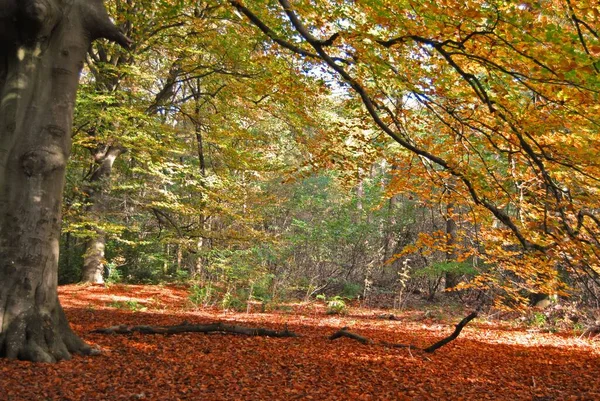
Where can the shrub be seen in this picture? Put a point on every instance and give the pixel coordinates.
(351, 290)
(114, 275)
(336, 306)
(538, 319)
(233, 301)
(201, 296)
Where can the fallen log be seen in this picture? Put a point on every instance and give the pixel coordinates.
(345, 333)
(185, 327)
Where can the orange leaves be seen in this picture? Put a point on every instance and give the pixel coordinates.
(485, 362)
(495, 107)
(595, 50)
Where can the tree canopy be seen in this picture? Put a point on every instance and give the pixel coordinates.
(487, 112)
(495, 103)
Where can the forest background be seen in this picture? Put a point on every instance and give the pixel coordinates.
(410, 148)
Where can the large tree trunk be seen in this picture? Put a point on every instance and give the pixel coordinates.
(42, 47)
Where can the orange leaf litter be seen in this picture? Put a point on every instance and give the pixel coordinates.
(486, 362)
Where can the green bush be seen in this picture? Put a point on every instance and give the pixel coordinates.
(201, 296)
(538, 319)
(351, 290)
(114, 275)
(261, 290)
(234, 301)
(579, 328)
(336, 306)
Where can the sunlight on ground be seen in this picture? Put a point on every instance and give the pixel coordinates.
(487, 361)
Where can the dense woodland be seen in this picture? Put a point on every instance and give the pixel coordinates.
(246, 155)
(211, 151)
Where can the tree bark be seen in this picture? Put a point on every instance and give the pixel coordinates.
(452, 278)
(93, 259)
(185, 327)
(42, 47)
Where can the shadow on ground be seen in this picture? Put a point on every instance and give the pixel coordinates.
(480, 365)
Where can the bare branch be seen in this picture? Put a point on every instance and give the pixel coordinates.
(273, 36)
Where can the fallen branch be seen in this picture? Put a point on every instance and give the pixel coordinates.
(387, 317)
(345, 333)
(185, 327)
(452, 336)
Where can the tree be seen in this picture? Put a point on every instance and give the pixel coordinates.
(186, 156)
(506, 96)
(43, 44)
(112, 79)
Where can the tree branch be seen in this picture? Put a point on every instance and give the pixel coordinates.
(100, 25)
(452, 336)
(273, 36)
(345, 333)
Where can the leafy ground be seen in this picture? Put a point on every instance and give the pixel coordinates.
(487, 362)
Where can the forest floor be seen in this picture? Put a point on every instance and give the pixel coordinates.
(488, 361)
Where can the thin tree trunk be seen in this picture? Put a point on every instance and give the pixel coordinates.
(93, 258)
(389, 237)
(452, 278)
(204, 221)
(42, 48)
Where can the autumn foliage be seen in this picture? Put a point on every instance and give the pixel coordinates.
(273, 136)
(494, 108)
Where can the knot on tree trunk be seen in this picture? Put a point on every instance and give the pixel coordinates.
(38, 17)
(41, 162)
(36, 10)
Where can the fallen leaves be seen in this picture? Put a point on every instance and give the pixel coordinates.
(484, 363)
